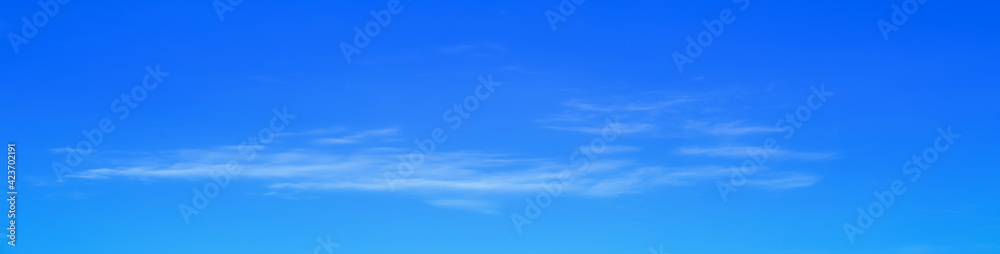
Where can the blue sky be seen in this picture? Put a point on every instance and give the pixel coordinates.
(585, 111)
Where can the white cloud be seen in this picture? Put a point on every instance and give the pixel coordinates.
(470, 174)
(444, 172)
(358, 137)
(731, 128)
(624, 128)
(613, 187)
(633, 106)
(744, 151)
(582, 113)
(689, 175)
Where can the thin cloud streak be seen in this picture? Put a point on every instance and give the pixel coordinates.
(744, 151)
(455, 172)
(730, 128)
(358, 137)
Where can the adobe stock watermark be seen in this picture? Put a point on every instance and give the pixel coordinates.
(363, 37)
(38, 20)
(758, 156)
(713, 29)
(425, 147)
(582, 156)
(899, 17)
(915, 168)
(565, 8)
(223, 6)
(326, 246)
(123, 106)
(248, 149)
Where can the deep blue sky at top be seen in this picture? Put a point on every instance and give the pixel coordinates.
(656, 185)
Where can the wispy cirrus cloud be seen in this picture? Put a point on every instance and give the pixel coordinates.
(744, 151)
(359, 136)
(729, 128)
(467, 173)
(584, 117)
(624, 128)
(783, 181)
(579, 104)
(475, 177)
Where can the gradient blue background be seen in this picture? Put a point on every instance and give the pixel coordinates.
(938, 70)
